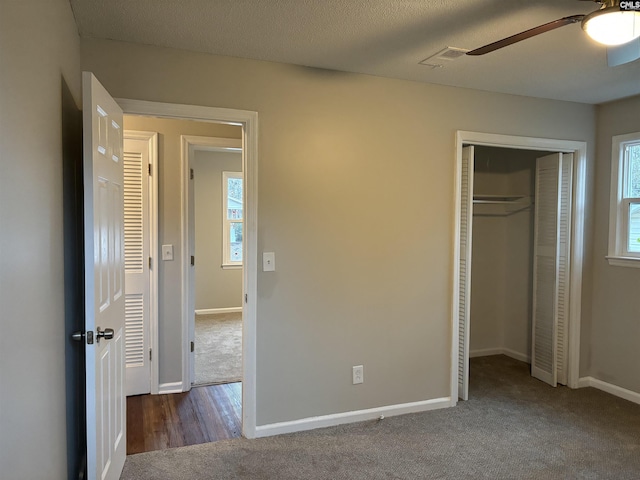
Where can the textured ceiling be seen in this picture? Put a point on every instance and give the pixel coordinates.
(381, 37)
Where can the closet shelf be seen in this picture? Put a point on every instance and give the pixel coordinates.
(500, 205)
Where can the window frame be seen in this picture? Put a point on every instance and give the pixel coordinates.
(620, 204)
(227, 263)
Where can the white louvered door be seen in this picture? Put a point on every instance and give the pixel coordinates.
(464, 270)
(551, 268)
(137, 240)
(564, 243)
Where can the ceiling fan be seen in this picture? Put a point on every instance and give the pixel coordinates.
(615, 24)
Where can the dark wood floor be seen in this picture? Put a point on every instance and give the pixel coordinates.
(205, 414)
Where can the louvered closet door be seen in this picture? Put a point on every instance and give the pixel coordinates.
(464, 271)
(551, 267)
(564, 242)
(137, 279)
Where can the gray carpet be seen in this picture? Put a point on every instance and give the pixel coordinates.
(218, 348)
(513, 427)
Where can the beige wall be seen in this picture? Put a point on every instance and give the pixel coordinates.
(615, 324)
(502, 253)
(489, 242)
(170, 273)
(364, 257)
(39, 66)
(215, 287)
(488, 284)
(519, 256)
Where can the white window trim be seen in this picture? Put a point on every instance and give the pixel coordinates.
(618, 207)
(227, 263)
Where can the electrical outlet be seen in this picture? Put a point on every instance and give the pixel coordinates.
(358, 374)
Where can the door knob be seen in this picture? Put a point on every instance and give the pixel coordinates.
(107, 333)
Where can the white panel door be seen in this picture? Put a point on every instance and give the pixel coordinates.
(545, 269)
(464, 270)
(137, 260)
(104, 281)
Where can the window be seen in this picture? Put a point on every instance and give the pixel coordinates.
(624, 221)
(232, 216)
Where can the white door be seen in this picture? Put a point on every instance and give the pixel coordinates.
(551, 267)
(104, 281)
(464, 277)
(564, 259)
(138, 259)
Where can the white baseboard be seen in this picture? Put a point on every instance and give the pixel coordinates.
(517, 355)
(500, 351)
(173, 387)
(350, 417)
(584, 382)
(485, 352)
(212, 311)
(610, 388)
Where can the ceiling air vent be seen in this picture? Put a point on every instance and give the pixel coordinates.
(443, 56)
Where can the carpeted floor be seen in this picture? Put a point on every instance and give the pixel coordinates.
(513, 427)
(218, 348)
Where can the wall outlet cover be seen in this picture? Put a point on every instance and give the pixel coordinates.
(358, 374)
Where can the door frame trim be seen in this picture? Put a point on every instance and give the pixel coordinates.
(189, 144)
(248, 120)
(579, 149)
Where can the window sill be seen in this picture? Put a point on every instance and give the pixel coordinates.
(236, 266)
(623, 261)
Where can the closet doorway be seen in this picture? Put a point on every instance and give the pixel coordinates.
(518, 257)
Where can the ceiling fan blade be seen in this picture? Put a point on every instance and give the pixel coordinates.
(518, 37)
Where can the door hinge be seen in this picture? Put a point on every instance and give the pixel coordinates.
(191, 173)
(246, 298)
(193, 346)
(150, 263)
(150, 355)
(150, 169)
(193, 260)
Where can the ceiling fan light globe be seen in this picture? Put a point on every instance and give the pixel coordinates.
(610, 26)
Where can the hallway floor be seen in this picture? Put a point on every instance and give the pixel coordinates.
(205, 414)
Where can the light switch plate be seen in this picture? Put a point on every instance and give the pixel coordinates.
(167, 252)
(268, 261)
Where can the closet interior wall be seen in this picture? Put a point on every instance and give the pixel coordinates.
(502, 255)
